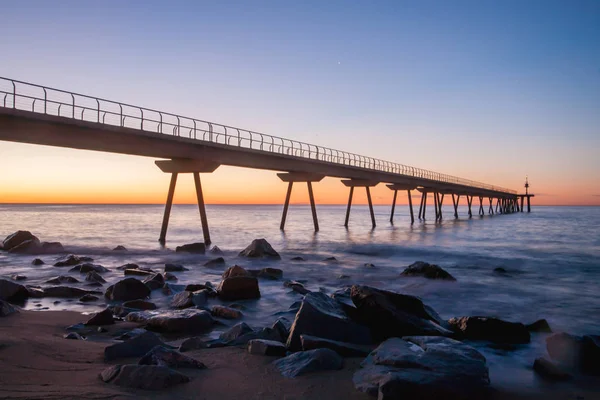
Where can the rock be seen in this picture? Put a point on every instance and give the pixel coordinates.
(167, 276)
(73, 336)
(282, 326)
(17, 238)
(140, 305)
(101, 330)
(88, 267)
(225, 312)
(429, 271)
(120, 248)
(234, 271)
(343, 349)
(389, 314)
(215, 262)
(321, 316)
(37, 261)
(187, 299)
(175, 268)
(137, 346)
(93, 284)
(62, 279)
(129, 334)
(194, 287)
(541, 325)
(148, 377)
(197, 248)
(66, 291)
(238, 288)
(127, 289)
(18, 277)
(138, 272)
(549, 371)
(155, 281)
(193, 343)
(7, 309)
(174, 321)
(369, 265)
(88, 297)
(71, 260)
(93, 276)
(259, 248)
(296, 287)
(128, 266)
(500, 270)
(51, 247)
(216, 250)
(490, 329)
(163, 356)
(575, 352)
(76, 327)
(104, 317)
(423, 367)
(297, 258)
(27, 247)
(342, 276)
(304, 362)
(267, 273)
(235, 332)
(331, 259)
(266, 347)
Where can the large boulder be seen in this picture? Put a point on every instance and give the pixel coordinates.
(52, 247)
(32, 246)
(304, 362)
(238, 287)
(7, 309)
(15, 239)
(197, 248)
(490, 329)
(423, 367)
(148, 377)
(390, 314)
(187, 299)
(547, 370)
(429, 271)
(163, 356)
(225, 312)
(155, 281)
(174, 321)
(343, 349)
(137, 346)
(234, 271)
(104, 317)
(267, 273)
(260, 248)
(94, 277)
(127, 289)
(12, 291)
(575, 352)
(321, 316)
(89, 267)
(266, 347)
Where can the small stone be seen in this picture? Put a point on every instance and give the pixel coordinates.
(260, 248)
(500, 270)
(74, 336)
(297, 258)
(215, 262)
(235, 332)
(267, 273)
(18, 277)
(175, 268)
(148, 377)
(93, 276)
(65, 291)
(491, 329)
(216, 250)
(104, 317)
(225, 312)
(303, 362)
(87, 267)
(128, 266)
(62, 279)
(140, 305)
(101, 330)
(137, 346)
(163, 356)
(155, 281)
(296, 287)
(197, 248)
(37, 261)
(369, 265)
(120, 248)
(426, 270)
(71, 260)
(7, 309)
(193, 343)
(138, 272)
(342, 276)
(87, 298)
(169, 276)
(266, 347)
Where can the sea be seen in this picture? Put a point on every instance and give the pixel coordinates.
(551, 257)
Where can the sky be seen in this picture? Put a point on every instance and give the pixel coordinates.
(486, 90)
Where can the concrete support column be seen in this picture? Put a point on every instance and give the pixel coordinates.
(394, 206)
(352, 183)
(202, 208)
(491, 209)
(481, 212)
(455, 204)
(469, 202)
(292, 177)
(168, 205)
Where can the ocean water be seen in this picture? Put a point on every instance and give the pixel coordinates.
(552, 256)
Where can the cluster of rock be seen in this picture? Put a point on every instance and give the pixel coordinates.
(24, 242)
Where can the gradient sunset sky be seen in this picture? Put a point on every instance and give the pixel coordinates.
(486, 90)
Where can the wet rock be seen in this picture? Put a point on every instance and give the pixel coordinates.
(194, 287)
(70, 260)
(193, 343)
(297, 258)
(235, 332)
(167, 276)
(575, 352)
(137, 346)
(267, 273)
(88, 267)
(216, 250)
(120, 248)
(7, 309)
(225, 312)
(304, 362)
(148, 377)
(62, 279)
(155, 281)
(429, 271)
(163, 356)
(51, 247)
(282, 326)
(101, 330)
(66, 291)
(546, 369)
(215, 262)
(138, 272)
(343, 349)
(130, 334)
(75, 327)
(128, 266)
(260, 248)
(93, 276)
(127, 289)
(187, 299)
(174, 321)
(266, 347)
(27, 247)
(541, 325)
(140, 305)
(18, 277)
(369, 265)
(331, 259)
(93, 284)
(234, 271)
(423, 367)
(500, 270)
(490, 329)
(236, 287)
(175, 268)
(389, 314)
(104, 317)
(88, 298)
(15, 239)
(37, 261)
(296, 287)
(321, 316)
(197, 248)
(73, 336)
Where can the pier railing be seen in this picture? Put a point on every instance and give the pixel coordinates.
(45, 100)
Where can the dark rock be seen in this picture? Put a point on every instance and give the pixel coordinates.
(194, 287)
(282, 326)
(27, 247)
(7, 309)
(331, 259)
(267, 273)
(423, 367)
(266, 347)
(120, 335)
(238, 288)
(73, 336)
(500, 270)
(297, 258)
(88, 267)
(216, 250)
(71, 260)
(87, 298)
(491, 329)
(225, 312)
(197, 248)
(127, 289)
(66, 291)
(549, 371)
(575, 352)
(174, 321)
(104, 317)
(390, 314)
(76, 327)
(187, 299)
(235, 332)
(541, 325)
(62, 279)
(165, 357)
(342, 276)
(193, 343)
(343, 349)
(93, 276)
(429, 271)
(140, 305)
(369, 265)
(128, 266)
(167, 276)
(18, 277)
(234, 271)
(175, 268)
(215, 262)
(137, 346)
(120, 248)
(37, 261)
(155, 281)
(138, 272)
(296, 287)
(51, 247)
(93, 284)
(101, 330)
(304, 362)
(148, 377)
(260, 248)
(321, 316)
(121, 312)
(15, 239)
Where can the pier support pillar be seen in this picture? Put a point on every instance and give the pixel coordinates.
(440, 198)
(168, 205)
(455, 204)
(408, 187)
(352, 183)
(491, 208)
(423, 205)
(481, 211)
(202, 208)
(469, 202)
(292, 177)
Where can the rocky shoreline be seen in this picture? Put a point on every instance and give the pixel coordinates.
(389, 345)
